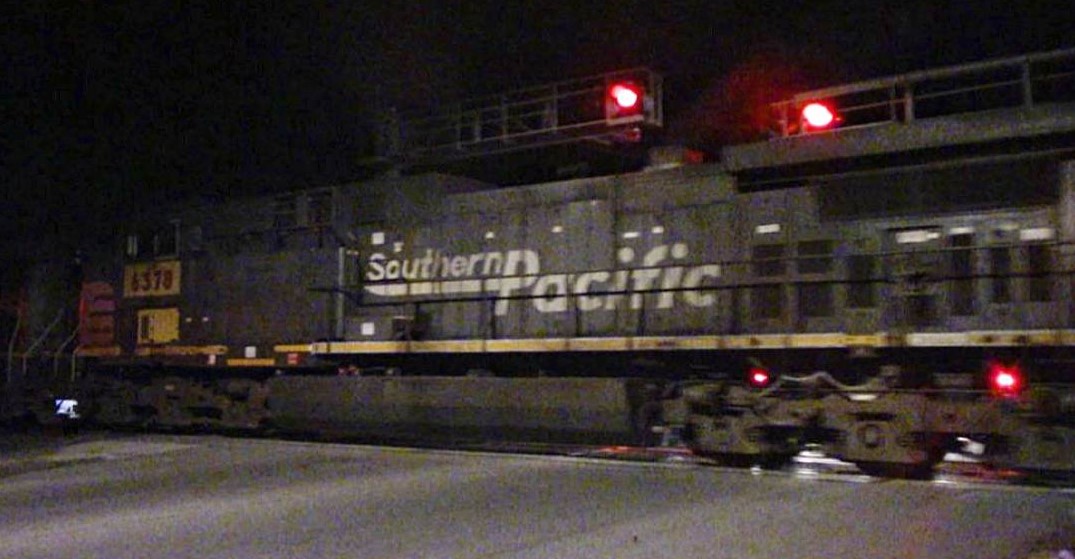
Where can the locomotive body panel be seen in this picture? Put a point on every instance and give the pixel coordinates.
(555, 260)
(670, 259)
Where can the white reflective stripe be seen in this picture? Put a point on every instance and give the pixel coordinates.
(939, 339)
(422, 288)
(916, 236)
(462, 286)
(1037, 234)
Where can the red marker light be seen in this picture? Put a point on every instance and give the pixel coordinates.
(1005, 380)
(759, 377)
(626, 96)
(818, 115)
(625, 103)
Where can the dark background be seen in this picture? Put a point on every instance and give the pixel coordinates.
(110, 106)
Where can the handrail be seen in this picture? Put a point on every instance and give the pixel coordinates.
(33, 347)
(74, 361)
(59, 351)
(530, 117)
(896, 98)
(11, 346)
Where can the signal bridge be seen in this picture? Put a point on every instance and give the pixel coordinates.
(1006, 109)
(1010, 83)
(611, 107)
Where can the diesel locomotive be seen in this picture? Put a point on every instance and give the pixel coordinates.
(885, 283)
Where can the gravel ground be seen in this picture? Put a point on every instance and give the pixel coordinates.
(178, 497)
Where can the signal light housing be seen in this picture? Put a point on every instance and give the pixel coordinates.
(1005, 380)
(625, 102)
(818, 116)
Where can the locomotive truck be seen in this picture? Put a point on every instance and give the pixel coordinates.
(888, 283)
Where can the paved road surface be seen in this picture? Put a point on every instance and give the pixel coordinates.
(172, 497)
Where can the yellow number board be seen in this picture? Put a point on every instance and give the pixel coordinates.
(151, 279)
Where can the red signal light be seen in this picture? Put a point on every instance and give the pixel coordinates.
(758, 377)
(625, 95)
(818, 115)
(624, 102)
(1005, 380)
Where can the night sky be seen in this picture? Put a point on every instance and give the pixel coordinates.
(111, 105)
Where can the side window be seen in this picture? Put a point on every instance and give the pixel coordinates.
(153, 242)
(961, 270)
(133, 243)
(768, 261)
(1039, 265)
(1000, 267)
(815, 257)
(767, 301)
(860, 292)
(815, 297)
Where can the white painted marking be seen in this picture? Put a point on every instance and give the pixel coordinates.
(1037, 234)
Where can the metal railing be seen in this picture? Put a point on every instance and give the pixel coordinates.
(1023, 81)
(30, 351)
(61, 350)
(11, 348)
(546, 114)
